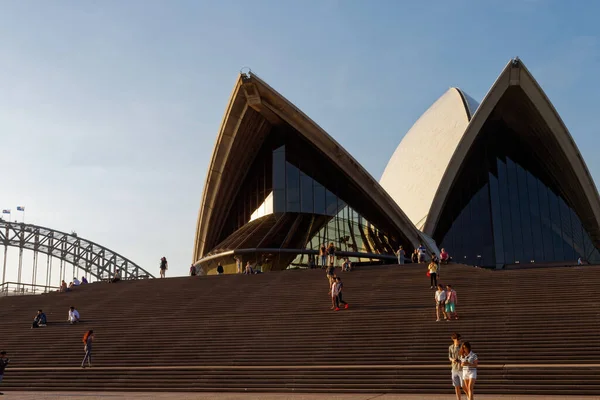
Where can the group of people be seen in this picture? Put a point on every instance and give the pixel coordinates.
(463, 365)
(327, 255)
(40, 320)
(336, 287)
(445, 303)
(76, 282)
(419, 255)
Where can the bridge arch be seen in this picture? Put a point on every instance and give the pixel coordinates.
(95, 260)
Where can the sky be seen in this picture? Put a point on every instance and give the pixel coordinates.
(109, 110)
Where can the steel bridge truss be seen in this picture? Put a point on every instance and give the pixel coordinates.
(96, 260)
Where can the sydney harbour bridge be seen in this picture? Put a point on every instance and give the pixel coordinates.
(50, 254)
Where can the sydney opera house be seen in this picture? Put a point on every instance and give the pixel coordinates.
(497, 183)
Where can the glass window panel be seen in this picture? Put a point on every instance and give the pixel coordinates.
(496, 220)
(555, 222)
(484, 224)
(279, 168)
(331, 203)
(509, 255)
(306, 193)
(279, 200)
(515, 214)
(567, 230)
(319, 199)
(578, 244)
(589, 246)
(292, 188)
(528, 251)
(534, 215)
(546, 222)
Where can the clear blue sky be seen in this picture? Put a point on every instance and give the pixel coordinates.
(109, 109)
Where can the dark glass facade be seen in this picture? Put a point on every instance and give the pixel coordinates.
(291, 202)
(508, 208)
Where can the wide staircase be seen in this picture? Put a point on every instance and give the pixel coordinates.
(535, 331)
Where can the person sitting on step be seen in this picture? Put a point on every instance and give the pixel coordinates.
(116, 277)
(73, 315)
(39, 319)
(76, 281)
(84, 281)
(347, 265)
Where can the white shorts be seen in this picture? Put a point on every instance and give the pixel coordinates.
(457, 378)
(469, 375)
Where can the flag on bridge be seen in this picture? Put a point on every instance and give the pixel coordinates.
(20, 208)
(5, 211)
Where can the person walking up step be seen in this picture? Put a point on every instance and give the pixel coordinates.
(454, 357)
(340, 289)
(333, 291)
(3, 364)
(88, 340)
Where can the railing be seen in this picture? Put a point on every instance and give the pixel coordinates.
(21, 289)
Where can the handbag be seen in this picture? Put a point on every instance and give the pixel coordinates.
(428, 273)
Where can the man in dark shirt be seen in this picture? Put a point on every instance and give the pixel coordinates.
(39, 320)
(3, 363)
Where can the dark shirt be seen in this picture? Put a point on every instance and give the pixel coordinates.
(3, 363)
(330, 271)
(88, 343)
(331, 250)
(163, 264)
(220, 269)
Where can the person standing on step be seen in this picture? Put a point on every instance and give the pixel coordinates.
(220, 269)
(401, 253)
(468, 362)
(454, 357)
(433, 269)
(323, 255)
(163, 266)
(444, 256)
(451, 300)
(440, 301)
(3, 364)
(192, 270)
(415, 256)
(340, 289)
(238, 264)
(331, 254)
(88, 340)
(422, 251)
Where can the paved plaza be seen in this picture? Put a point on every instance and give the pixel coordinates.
(266, 396)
